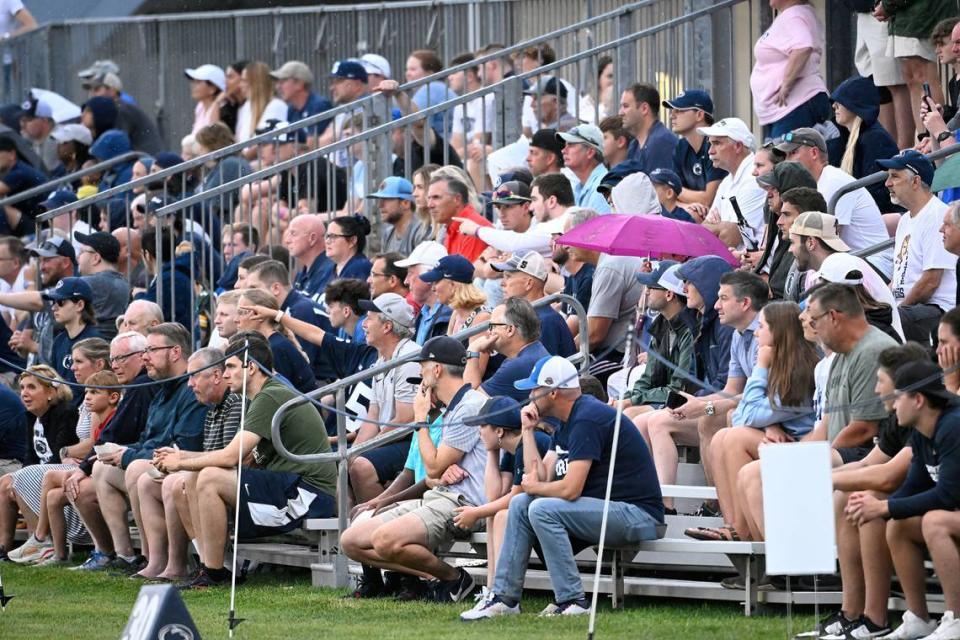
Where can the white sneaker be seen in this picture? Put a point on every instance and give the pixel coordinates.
(30, 551)
(549, 611)
(913, 628)
(575, 608)
(490, 608)
(949, 628)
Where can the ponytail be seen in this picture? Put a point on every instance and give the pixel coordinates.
(846, 164)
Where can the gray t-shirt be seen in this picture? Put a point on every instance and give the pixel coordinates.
(392, 387)
(111, 295)
(404, 244)
(466, 403)
(615, 294)
(852, 381)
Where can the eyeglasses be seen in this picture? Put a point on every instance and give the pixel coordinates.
(152, 350)
(123, 358)
(492, 324)
(815, 319)
(374, 274)
(331, 236)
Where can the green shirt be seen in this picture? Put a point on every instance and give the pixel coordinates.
(302, 430)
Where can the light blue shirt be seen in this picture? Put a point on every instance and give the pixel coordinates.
(426, 325)
(743, 351)
(414, 461)
(756, 410)
(359, 336)
(586, 194)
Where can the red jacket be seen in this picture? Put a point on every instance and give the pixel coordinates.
(467, 246)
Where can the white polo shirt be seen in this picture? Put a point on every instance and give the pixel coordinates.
(750, 197)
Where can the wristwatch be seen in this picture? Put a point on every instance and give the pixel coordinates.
(473, 354)
(710, 410)
(946, 135)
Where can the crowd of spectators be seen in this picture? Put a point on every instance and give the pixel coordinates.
(125, 370)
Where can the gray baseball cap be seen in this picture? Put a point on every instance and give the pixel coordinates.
(393, 306)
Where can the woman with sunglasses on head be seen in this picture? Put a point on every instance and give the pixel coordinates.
(51, 427)
(346, 238)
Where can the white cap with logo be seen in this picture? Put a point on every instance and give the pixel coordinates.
(426, 253)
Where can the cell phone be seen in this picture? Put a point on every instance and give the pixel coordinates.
(926, 90)
(675, 400)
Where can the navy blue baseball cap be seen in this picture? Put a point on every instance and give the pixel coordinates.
(667, 177)
(59, 198)
(652, 278)
(349, 69)
(167, 159)
(914, 161)
(498, 411)
(394, 187)
(455, 267)
(70, 289)
(691, 99)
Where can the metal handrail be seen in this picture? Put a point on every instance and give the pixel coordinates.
(880, 176)
(366, 101)
(51, 185)
(423, 114)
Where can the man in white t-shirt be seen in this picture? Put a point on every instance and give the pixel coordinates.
(474, 120)
(14, 20)
(924, 272)
(731, 149)
(861, 224)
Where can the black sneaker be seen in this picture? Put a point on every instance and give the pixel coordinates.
(707, 511)
(3, 555)
(368, 588)
(861, 629)
(120, 567)
(411, 588)
(392, 583)
(454, 590)
(834, 624)
(669, 511)
(204, 580)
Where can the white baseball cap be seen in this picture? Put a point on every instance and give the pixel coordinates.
(733, 128)
(72, 133)
(671, 281)
(842, 268)
(426, 253)
(375, 63)
(531, 263)
(209, 72)
(554, 372)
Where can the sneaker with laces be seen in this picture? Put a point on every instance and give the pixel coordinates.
(204, 580)
(45, 555)
(412, 588)
(549, 611)
(30, 551)
(51, 560)
(493, 607)
(834, 625)
(368, 587)
(862, 628)
(98, 561)
(576, 607)
(124, 567)
(454, 590)
(948, 629)
(912, 628)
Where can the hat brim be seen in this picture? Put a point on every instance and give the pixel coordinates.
(503, 267)
(565, 138)
(414, 380)
(891, 164)
(368, 305)
(383, 195)
(648, 279)
(836, 244)
(790, 147)
(432, 276)
(46, 253)
(510, 201)
(526, 385)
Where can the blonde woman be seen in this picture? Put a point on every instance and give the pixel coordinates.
(421, 182)
(54, 428)
(261, 105)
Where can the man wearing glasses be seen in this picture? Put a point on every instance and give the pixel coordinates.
(174, 418)
(834, 312)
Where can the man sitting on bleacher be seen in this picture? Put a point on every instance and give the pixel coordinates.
(564, 492)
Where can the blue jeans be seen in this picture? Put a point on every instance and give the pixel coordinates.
(552, 521)
(813, 111)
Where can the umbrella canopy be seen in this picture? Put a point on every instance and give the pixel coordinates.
(63, 109)
(646, 235)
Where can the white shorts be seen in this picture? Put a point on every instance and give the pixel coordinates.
(901, 47)
(871, 56)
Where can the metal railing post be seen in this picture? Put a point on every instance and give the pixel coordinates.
(626, 55)
(343, 497)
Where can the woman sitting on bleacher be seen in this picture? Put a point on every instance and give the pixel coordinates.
(781, 381)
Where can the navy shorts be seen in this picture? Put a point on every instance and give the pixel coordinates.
(388, 460)
(273, 502)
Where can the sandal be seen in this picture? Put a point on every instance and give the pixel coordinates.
(725, 533)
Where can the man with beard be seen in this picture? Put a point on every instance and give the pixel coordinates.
(402, 230)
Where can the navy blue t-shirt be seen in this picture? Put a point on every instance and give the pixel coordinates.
(676, 214)
(312, 282)
(357, 267)
(288, 362)
(933, 479)
(22, 177)
(513, 462)
(513, 369)
(657, 151)
(588, 435)
(555, 335)
(580, 285)
(13, 424)
(315, 104)
(341, 359)
(695, 168)
(62, 356)
(305, 309)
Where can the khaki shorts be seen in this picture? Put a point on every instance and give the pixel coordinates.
(901, 47)
(871, 55)
(436, 511)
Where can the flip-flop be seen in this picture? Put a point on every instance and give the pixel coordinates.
(713, 534)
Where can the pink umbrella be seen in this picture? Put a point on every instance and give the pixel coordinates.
(646, 235)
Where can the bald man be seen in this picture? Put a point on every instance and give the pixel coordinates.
(140, 316)
(304, 240)
(130, 262)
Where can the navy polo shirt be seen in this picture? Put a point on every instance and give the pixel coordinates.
(288, 362)
(695, 167)
(657, 152)
(580, 285)
(555, 335)
(315, 104)
(513, 462)
(588, 435)
(13, 424)
(357, 267)
(311, 282)
(513, 369)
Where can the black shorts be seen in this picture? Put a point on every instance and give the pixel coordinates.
(273, 502)
(853, 454)
(388, 460)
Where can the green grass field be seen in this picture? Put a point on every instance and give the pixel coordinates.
(56, 603)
